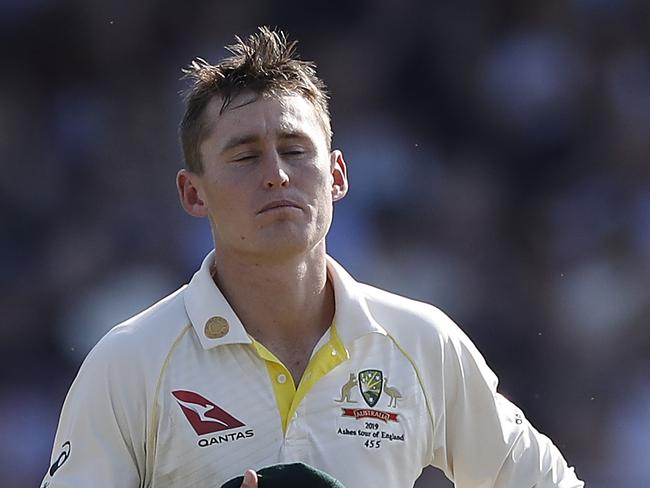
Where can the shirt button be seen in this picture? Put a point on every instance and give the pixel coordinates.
(333, 352)
(282, 379)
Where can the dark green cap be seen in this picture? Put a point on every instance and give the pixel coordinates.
(294, 475)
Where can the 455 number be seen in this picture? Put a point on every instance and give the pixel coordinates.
(372, 444)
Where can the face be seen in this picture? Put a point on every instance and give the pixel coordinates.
(269, 180)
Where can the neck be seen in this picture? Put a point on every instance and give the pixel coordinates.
(286, 301)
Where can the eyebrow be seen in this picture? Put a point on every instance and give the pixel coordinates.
(252, 138)
(239, 141)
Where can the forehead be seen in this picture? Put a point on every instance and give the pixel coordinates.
(261, 115)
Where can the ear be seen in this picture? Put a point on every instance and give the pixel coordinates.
(339, 175)
(189, 193)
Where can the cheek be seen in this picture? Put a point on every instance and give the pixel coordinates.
(321, 178)
(324, 201)
(226, 203)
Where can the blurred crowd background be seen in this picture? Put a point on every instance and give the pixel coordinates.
(499, 160)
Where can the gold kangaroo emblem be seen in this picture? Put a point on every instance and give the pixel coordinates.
(393, 393)
(346, 390)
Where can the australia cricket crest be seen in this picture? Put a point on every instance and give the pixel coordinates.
(370, 384)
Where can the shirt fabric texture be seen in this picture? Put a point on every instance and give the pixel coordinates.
(181, 396)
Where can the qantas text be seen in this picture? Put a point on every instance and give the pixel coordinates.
(230, 436)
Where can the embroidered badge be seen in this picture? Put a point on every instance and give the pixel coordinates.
(373, 427)
(370, 385)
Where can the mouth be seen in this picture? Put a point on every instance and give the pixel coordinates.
(278, 205)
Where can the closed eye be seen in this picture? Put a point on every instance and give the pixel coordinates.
(244, 157)
(293, 152)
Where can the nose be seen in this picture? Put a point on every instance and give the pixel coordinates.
(275, 174)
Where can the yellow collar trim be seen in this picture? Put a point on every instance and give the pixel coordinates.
(287, 397)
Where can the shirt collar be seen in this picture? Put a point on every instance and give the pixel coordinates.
(204, 302)
(205, 305)
(352, 316)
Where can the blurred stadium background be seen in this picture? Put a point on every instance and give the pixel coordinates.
(499, 158)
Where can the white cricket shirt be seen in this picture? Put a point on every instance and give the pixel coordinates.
(181, 396)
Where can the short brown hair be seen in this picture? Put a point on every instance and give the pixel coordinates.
(266, 62)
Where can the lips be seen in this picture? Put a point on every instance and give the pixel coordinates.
(276, 204)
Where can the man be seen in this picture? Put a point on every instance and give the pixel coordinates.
(273, 353)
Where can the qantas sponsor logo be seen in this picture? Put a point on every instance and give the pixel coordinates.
(204, 416)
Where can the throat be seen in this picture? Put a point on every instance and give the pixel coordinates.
(294, 355)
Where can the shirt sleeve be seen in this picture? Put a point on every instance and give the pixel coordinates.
(481, 439)
(100, 437)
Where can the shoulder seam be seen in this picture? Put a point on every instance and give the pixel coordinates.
(152, 435)
(419, 377)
